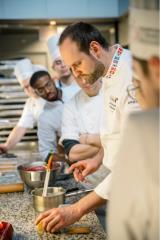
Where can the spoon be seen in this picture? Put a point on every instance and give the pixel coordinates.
(48, 171)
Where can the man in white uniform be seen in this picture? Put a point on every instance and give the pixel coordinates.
(134, 203)
(81, 126)
(64, 75)
(90, 58)
(49, 122)
(33, 106)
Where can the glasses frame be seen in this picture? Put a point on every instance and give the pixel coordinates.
(44, 88)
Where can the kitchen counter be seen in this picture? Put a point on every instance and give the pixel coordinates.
(17, 209)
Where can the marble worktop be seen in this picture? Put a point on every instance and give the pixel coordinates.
(17, 208)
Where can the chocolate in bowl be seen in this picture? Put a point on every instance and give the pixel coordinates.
(42, 168)
(33, 174)
(36, 168)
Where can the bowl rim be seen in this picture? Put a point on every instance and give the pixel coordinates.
(37, 163)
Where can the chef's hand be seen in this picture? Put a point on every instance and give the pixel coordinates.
(3, 148)
(83, 168)
(57, 218)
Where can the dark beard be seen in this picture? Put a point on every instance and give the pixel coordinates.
(98, 73)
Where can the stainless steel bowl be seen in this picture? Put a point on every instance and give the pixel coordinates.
(35, 179)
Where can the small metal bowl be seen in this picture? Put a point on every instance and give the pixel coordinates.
(35, 179)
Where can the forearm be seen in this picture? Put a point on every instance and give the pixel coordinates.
(94, 140)
(82, 151)
(15, 136)
(89, 203)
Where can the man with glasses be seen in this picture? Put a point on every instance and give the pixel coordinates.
(33, 106)
(49, 122)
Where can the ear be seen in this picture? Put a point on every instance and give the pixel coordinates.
(154, 66)
(95, 49)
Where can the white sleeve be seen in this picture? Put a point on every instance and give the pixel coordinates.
(69, 127)
(103, 189)
(27, 119)
(47, 137)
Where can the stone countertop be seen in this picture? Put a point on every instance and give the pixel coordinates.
(17, 209)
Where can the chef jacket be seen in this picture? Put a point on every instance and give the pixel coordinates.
(116, 105)
(49, 127)
(134, 206)
(70, 90)
(32, 109)
(82, 114)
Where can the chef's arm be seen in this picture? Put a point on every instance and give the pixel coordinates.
(91, 139)
(15, 136)
(77, 151)
(89, 203)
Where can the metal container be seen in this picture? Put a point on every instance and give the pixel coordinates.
(55, 197)
(35, 179)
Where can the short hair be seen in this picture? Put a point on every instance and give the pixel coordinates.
(36, 76)
(83, 34)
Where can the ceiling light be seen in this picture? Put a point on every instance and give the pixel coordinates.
(52, 23)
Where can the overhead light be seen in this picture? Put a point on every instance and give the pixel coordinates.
(60, 29)
(52, 23)
(112, 30)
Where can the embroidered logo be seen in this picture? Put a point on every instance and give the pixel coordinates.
(115, 61)
(112, 102)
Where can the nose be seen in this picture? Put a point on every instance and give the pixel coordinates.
(47, 90)
(63, 64)
(76, 72)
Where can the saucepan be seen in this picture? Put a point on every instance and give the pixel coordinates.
(55, 197)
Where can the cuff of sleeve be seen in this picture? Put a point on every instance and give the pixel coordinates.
(103, 189)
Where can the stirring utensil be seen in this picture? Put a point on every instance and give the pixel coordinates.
(48, 171)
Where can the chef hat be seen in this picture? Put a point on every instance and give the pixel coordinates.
(53, 47)
(144, 29)
(24, 70)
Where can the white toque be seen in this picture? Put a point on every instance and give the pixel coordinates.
(144, 29)
(24, 70)
(53, 48)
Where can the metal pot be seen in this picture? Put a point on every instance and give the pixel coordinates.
(35, 179)
(55, 197)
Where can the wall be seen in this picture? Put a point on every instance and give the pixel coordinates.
(45, 9)
(123, 30)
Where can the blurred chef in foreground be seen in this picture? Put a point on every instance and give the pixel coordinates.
(134, 204)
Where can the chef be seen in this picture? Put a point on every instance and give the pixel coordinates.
(90, 57)
(49, 122)
(65, 77)
(33, 106)
(134, 205)
(81, 128)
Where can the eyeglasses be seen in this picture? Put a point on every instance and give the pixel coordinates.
(131, 90)
(42, 90)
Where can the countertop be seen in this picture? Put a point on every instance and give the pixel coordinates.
(17, 209)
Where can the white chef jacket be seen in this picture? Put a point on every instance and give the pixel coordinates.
(69, 90)
(49, 127)
(32, 109)
(82, 114)
(116, 104)
(134, 206)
